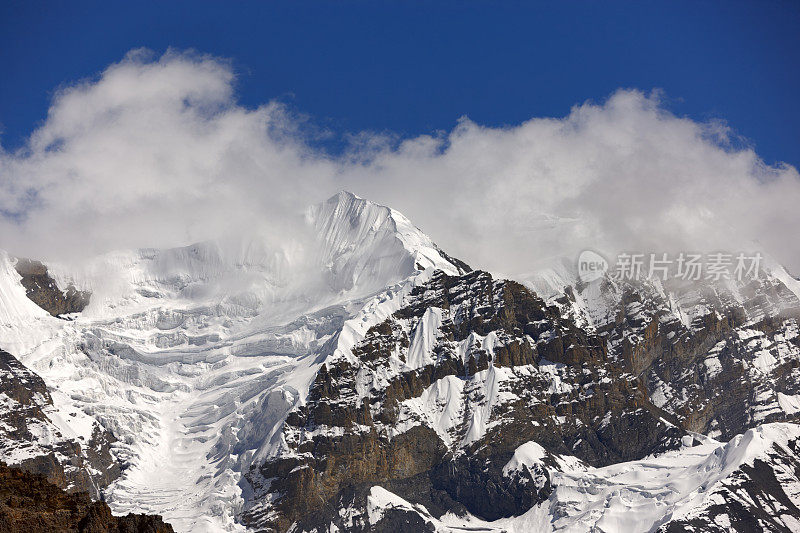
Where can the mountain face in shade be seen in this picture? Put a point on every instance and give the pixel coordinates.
(362, 379)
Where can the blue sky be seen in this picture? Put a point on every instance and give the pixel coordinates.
(416, 67)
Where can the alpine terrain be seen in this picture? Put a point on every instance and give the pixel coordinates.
(375, 383)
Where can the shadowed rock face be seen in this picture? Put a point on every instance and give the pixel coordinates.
(44, 292)
(33, 443)
(31, 504)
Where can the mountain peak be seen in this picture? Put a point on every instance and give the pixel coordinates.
(365, 242)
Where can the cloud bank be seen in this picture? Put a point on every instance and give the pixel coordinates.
(156, 152)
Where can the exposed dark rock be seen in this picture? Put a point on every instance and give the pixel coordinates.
(31, 504)
(602, 416)
(477, 482)
(585, 392)
(674, 359)
(44, 292)
(69, 464)
(462, 267)
(348, 512)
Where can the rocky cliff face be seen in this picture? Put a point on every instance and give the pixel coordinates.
(34, 437)
(44, 292)
(721, 357)
(439, 396)
(435, 401)
(29, 503)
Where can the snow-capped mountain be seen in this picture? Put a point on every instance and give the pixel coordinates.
(178, 351)
(362, 379)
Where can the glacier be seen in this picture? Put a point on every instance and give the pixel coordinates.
(192, 356)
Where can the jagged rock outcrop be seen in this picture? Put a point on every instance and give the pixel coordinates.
(721, 357)
(44, 292)
(29, 503)
(437, 397)
(31, 438)
(433, 402)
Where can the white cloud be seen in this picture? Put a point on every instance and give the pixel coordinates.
(158, 153)
(154, 153)
(622, 175)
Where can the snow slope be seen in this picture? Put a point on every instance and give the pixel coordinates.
(192, 356)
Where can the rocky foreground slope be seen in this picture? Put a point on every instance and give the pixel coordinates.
(31, 504)
(374, 383)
